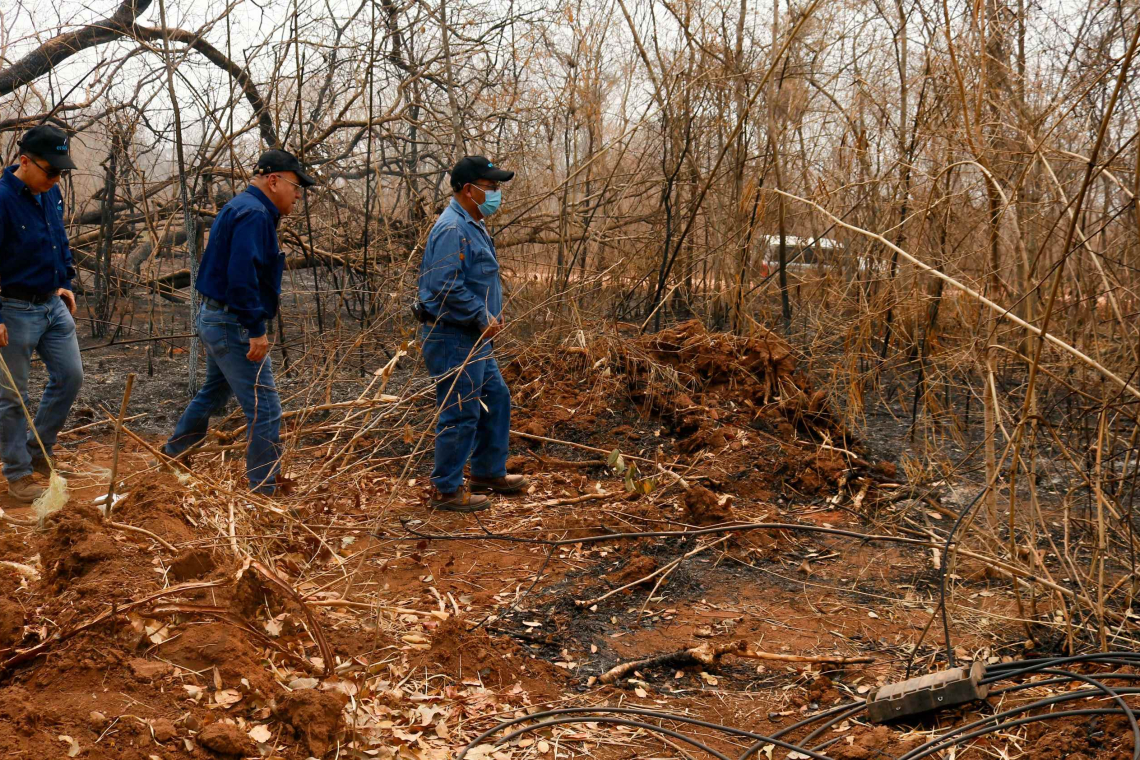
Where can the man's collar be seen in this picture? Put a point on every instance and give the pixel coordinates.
(256, 193)
(11, 179)
(462, 211)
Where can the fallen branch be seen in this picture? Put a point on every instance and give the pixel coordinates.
(100, 423)
(707, 654)
(654, 574)
(576, 499)
(144, 532)
(315, 627)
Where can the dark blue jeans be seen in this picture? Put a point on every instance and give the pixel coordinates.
(49, 330)
(466, 429)
(228, 371)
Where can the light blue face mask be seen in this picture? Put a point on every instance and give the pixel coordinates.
(491, 201)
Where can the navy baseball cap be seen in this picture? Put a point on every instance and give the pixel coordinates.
(282, 161)
(470, 168)
(51, 144)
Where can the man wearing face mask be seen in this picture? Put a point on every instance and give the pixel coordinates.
(460, 306)
(239, 279)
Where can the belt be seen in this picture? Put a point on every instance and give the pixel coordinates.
(214, 303)
(20, 294)
(432, 322)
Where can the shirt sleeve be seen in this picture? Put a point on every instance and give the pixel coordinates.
(446, 284)
(248, 246)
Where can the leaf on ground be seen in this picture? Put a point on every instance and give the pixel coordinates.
(260, 734)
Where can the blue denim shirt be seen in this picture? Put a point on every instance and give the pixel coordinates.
(459, 275)
(34, 254)
(242, 264)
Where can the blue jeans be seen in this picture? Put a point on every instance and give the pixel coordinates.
(465, 429)
(49, 330)
(228, 371)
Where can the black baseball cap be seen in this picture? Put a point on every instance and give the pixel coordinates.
(51, 144)
(470, 168)
(282, 161)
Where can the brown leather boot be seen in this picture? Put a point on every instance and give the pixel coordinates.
(507, 484)
(24, 490)
(460, 501)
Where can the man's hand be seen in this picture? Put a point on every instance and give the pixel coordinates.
(494, 329)
(258, 348)
(3, 335)
(68, 298)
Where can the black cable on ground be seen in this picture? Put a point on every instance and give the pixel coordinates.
(1098, 687)
(1014, 724)
(836, 714)
(589, 714)
(619, 722)
(962, 735)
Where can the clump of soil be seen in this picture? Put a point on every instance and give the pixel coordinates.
(11, 624)
(867, 743)
(820, 472)
(75, 543)
(16, 713)
(153, 504)
(497, 661)
(192, 563)
(723, 363)
(226, 739)
(314, 715)
(202, 647)
(823, 691)
(703, 507)
(638, 566)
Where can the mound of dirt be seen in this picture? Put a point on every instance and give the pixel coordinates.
(192, 563)
(314, 715)
(724, 364)
(703, 507)
(11, 623)
(495, 660)
(203, 647)
(867, 743)
(153, 504)
(75, 543)
(820, 472)
(226, 739)
(638, 566)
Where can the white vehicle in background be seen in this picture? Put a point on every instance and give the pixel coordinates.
(806, 254)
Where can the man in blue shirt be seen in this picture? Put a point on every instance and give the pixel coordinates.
(239, 278)
(36, 305)
(460, 304)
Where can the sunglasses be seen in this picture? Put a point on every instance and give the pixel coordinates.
(51, 172)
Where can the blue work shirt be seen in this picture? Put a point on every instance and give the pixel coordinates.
(34, 254)
(242, 264)
(459, 275)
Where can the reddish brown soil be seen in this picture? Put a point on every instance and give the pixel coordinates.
(315, 717)
(494, 660)
(735, 416)
(226, 739)
(703, 507)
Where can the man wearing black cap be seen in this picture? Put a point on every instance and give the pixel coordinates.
(36, 305)
(239, 278)
(460, 305)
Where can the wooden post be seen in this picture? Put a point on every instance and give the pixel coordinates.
(118, 440)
